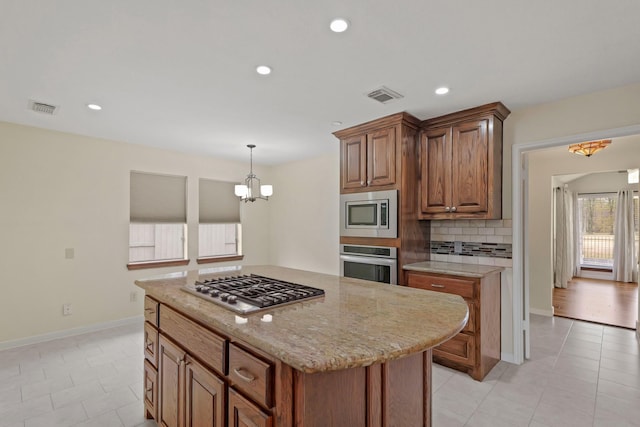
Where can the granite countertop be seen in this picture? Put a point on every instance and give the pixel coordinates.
(357, 323)
(453, 268)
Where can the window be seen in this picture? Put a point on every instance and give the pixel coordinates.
(597, 214)
(157, 221)
(219, 230)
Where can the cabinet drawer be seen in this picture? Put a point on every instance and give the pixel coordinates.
(150, 390)
(151, 344)
(251, 374)
(462, 287)
(151, 311)
(200, 342)
(459, 349)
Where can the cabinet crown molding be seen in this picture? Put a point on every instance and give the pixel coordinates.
(497, 109)
(391, 120)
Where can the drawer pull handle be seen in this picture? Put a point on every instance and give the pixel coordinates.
(434, 285)
(149, 345)
(246, 376)
(150, 310)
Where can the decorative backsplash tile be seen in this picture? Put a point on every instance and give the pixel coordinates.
(492, 250)
(486, 242)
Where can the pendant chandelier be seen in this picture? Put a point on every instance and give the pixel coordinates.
(252, 190)
(589, 148)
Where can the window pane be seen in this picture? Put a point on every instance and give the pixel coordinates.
(218, 240)
(597, 214)
(156, 242)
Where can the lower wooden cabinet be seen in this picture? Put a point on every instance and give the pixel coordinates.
(476, 349)
(243, 413)
(150, 384)
(204, 399)
(171, 384)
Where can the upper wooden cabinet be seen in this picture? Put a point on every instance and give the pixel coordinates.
(371, 153)
(461, 159)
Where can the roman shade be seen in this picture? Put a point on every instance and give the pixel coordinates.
(218, 203)
(158, 198)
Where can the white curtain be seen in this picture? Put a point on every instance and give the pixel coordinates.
(564, 258)
(577, 236)
(624, 248)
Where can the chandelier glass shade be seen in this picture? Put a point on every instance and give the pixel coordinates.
(589, 148)
(252, 189)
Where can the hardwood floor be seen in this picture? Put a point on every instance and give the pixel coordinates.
(599, 301)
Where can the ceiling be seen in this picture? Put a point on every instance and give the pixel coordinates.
(181, 74)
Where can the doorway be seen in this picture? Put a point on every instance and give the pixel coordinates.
(531, 248)
(584, 243)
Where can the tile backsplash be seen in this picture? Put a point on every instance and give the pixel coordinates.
(485, 242)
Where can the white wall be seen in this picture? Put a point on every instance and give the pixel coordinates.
(603, 182)
(304, 220)
(58, 191)
(623, 153)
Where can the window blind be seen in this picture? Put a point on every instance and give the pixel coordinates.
(158, 198)
(218, 203)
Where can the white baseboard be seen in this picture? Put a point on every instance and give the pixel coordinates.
(548, 313)
(70, 332)
(507, 357)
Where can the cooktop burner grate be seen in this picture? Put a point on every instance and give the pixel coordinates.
(252, 292)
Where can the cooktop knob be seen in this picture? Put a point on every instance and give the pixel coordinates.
(224, 296)
(232, 299)
(214, 293)
(200, 288)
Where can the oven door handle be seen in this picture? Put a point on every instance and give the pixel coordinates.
(368, 260)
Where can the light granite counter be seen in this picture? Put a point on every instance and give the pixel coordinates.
(452, 268)
(357, 323)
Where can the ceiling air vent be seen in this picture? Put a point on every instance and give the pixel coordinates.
(384, 95)
(41, 107)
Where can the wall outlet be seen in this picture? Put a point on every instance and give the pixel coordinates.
(457, 247)
(133, 296)
(69, 253)
(66, 309)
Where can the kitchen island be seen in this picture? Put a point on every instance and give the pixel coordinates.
(358, 356)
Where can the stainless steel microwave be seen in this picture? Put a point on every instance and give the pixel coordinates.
(370, 214)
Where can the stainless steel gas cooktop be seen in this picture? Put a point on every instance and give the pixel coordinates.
(251, 293)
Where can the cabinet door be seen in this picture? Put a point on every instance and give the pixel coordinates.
(171, 384)
(354, 162)
(470, 163)
(436, 171)
(151, 344)
(381, 157)
(204, 397)
(243, 413)
(150, 383)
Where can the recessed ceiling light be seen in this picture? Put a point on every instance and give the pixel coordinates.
(339, 25)
(442, 90)
(263, 70)
(336, 123)
(95, 107)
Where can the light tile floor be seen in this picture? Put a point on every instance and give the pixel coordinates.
(580, 374)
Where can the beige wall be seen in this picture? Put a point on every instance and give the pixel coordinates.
(304, 220)
(600, 111)
(611, 109)
(60, 191)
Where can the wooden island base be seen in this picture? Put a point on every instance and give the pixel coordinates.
(195, 376)
(396, 393)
